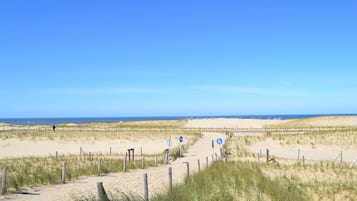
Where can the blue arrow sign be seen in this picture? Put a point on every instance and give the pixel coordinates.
(181, 138)
(219, 140)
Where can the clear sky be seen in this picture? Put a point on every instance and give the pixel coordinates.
(185, 57)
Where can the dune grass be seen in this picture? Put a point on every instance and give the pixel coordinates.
(318, 122)
(34, 171)
(116, 130)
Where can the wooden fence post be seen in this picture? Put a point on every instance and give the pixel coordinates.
(188, 168)
(341, 157)
(170, 179)
(124, 162)
(142, 162)
(110, 150)
(64, 168)
(99, 166)
(199, 165)
(3, 181)
(146, 188)
(206, 161)
(303, 161)
(155, 159)
(102, 195)
(267, 155)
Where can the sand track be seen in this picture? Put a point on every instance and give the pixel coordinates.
(131, 181)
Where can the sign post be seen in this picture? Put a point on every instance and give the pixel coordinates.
(220, 141)
(181, 140)
(212, 150)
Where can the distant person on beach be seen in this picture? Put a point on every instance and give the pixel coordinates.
(54, 128)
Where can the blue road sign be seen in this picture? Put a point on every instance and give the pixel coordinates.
(181, 138)
(219, 140)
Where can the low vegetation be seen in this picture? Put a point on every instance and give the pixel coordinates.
(34, 171)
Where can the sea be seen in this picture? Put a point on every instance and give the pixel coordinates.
(79, 120)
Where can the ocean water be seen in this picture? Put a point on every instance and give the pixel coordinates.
(78, 120)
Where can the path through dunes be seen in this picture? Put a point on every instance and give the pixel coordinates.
(131, 181)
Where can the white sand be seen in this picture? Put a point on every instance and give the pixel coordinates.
(231, 123)
(19, 148)
(127, 182)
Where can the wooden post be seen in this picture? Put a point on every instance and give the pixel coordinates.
(199, 165)
(267, 155)
(64, 168)
(110, 150)
(146, 188)
(3, 181)
(170, 179)
(303, 161)
(298, 154)
(166, 158)
(155, 159)
(188, 169)
(141, 151)
(260, 153)
(102, 195)
(129, 154)
(124, 162)
(99, 166)
(133, 153)
(142, 162)
(341, 157)
(56, 155)
(206, 161)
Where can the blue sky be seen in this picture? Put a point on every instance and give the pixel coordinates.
(165, 58)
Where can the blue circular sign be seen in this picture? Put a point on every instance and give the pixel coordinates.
(219, 140)
(181, 138)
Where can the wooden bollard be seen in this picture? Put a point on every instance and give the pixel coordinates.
(3, 181)
(199, 165)
(170, 179)
(146, 188)
(267, 155)
(102, 195)
(188, 169)
(124, 162)
(341, 158)
(155, 159)
(142, 162)
(56, 155)
(206, 161)
(64, 169)
(99, 166)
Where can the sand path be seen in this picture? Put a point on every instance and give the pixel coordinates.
(131, 181)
